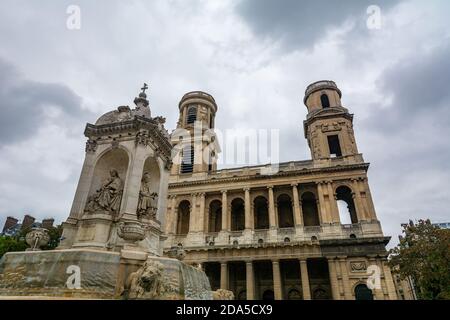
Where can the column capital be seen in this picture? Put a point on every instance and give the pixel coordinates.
(246, 188)
(294, 184)
(248, 261)
(275, 261)
(223, 191)
(270, 187)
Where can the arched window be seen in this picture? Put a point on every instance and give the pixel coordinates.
(285, 213)
(310, 211)
(237, 215)
(362, 292)
(191, 115)
(215, 216)
(346, 206)
(184, 209)
(268, 295)
(294, 294)
(261, 213)
(320, 294)
(187, 162)
(324, 101)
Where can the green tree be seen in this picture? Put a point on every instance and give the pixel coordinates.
(423, 254)
(8, 244)
(18, 243)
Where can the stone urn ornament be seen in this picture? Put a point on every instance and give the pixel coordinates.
(131, 231)
(37, 238)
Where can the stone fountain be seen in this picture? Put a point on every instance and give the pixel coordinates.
(111, 246)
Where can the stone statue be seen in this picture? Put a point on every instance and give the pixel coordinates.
(147, 281)
(147, 199)
(108, 197)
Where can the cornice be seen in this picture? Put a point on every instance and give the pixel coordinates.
(304, 171)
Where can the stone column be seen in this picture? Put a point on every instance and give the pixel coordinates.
(305, 280)
(277, 280)
(132, 185)
(392, 293)
(333, 203)
(224, 275)
(297, 207)
(323, 208)
(357, 200)
(193, 213)
(377, 292)
(345, 280)
(248, 213)
(83, 187)
(333, 279)
(272, 218)
(225, 226)
(370, 211)
(201, 215)
(250, 280)
(172, 219)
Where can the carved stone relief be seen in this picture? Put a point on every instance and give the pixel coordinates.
(358, 266)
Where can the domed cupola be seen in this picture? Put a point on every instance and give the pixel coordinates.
(124, 113)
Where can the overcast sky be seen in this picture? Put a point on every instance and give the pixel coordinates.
(255, 57)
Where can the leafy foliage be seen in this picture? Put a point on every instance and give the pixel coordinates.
(8, 244)
(423, 254)
(17, 243)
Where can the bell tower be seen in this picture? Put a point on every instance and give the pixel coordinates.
(328, 126)
(194, 140)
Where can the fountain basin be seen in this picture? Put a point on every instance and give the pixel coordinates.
(96, 274)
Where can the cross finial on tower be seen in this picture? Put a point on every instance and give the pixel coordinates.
(145, 87)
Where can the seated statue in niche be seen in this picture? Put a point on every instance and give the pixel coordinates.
(109, 196)
(147, 199)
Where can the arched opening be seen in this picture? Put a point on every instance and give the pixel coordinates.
(320, 294)
(310, 211)
(237, 215)
(285, 212)
(294, 294)
(215, 216)
(261, 213)
(105, 193)
(184, 213)
(191, 115)
(325, 101)
(268, 295)
(346, 206)
(242, 295)
(362, 292)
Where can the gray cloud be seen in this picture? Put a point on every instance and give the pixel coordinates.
(25, 104)
(393, 80)
(299, 24)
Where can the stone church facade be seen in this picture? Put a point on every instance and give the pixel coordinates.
(279, 235)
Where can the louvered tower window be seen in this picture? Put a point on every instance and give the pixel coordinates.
(191, 115)
(187, 162)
